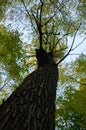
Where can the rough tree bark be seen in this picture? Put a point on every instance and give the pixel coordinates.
(32, 105)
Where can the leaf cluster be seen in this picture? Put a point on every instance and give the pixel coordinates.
(70, 112)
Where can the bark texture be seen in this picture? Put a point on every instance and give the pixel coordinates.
(32, 105)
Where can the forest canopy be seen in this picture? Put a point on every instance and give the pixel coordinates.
(21, 23)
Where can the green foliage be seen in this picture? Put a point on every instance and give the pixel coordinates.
(13, 67)
(2, 8)
(59, 19)
(81, 63)
(10, 52)
(71, 105)
(71, 113)
(56, 17)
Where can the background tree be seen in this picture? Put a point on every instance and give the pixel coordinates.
(52, 22)
(70, 113)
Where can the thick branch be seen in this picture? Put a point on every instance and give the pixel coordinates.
(40, 25)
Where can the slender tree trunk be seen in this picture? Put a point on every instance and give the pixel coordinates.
(32, 104)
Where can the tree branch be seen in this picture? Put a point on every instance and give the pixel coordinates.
(25, 7)
(6, 81)
(77, 81)
(71, 46)
(79, 44)
(33, 16)
(50, 33)
(74, 54)
(40, 24)
(66, 34)
(49, 19)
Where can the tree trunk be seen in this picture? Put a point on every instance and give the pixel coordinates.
(32, 105)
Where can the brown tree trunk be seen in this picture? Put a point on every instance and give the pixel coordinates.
(32, 104)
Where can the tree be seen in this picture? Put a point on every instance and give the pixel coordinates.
(12, 59)
(50, 33)
(70, 113)
(32, 105)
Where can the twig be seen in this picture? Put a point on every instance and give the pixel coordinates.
(25, 7)
(77, 81)
(79, 44)
(50, 33)
(66, 34)
(74, 54)
(6, 81)
(49, 19)
(30, 16)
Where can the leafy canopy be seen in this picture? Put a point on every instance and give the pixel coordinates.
(71, 104)
(51, 22)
